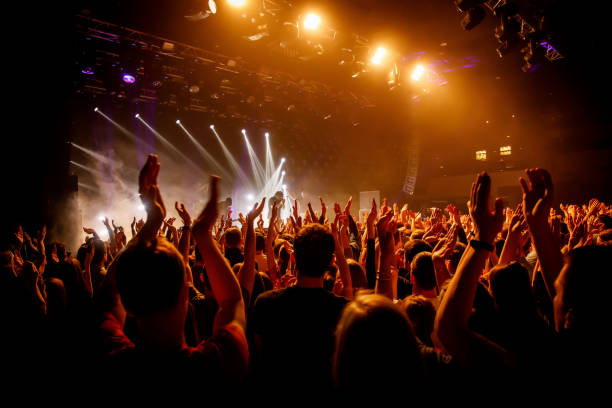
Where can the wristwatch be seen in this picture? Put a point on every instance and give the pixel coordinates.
(481, 245)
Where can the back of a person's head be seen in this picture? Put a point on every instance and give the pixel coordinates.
(605, 237)
(313, 250)
(422, 314)
(375, 346)
(260, 241)
(358, 276)
(150, 277)
(233, 237)
(422, 271)
(99, 252)
(587, 270)
(511, 287)
(414, 247)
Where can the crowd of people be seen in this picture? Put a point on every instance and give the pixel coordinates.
(399, 304)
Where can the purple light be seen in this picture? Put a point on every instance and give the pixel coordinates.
(87, 71)
(129, 79)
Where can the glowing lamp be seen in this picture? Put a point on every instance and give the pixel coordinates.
(237, 3)
(178, 122)
(417, 73)
(379, 55)
(128, 79)
(312, 21)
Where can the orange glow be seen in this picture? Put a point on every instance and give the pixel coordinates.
(417, 73)
(312, 21)
(379, 55)
(237, 3)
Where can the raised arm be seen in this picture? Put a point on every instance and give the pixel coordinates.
(272, 266)
(223, 282)
(451, 325)
(246, 274)
(386, 229)
(371, 246)
(345, 273)
(537, 201)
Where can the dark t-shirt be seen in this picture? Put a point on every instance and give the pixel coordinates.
(218, 362)
(293, 334)
(234, 256)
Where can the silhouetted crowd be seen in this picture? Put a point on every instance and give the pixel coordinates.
(397, 306)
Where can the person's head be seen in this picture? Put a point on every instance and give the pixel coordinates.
(99, 256)
(151, 280)
(260, 242)
(358, 276)
(414, 247)
(456, 256)
(233, 238)
(422, 273)
(510, 288)
(313, 250)
(375, 346)
(578, 307)
(422, 314)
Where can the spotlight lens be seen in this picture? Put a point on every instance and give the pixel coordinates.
(267, 134)
(250, 197)
(283, 159)
(95, 109)
(312, 21)
(212, 6)
(237, 3)
(379, 55)
(141, 207)
(212, 126)
(137, 115)
(243, 131)
(129, 79)
(283, 173)
(178, 122)
(417, 73)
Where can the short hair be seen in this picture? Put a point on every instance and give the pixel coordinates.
(423, 272)
(588, 266)
(511, 287)
(313, 250)
(422, 314)
(233, 236)
(457, 254)
(358, 276)
(260, 241)
(150, 276)
(413, 247)
(374, 335)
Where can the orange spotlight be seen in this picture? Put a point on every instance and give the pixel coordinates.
(237, 3)
(312, 21)
(379, 55)
(417, 73)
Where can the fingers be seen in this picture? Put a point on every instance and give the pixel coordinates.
(499, 210)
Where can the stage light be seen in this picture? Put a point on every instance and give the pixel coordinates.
(178, 122)
(212, 126)
(250, 197)
(284, 186)
(312, 21)
(473, 17)
(212, 6)
(379, 55)
(283, 160)
(417, 73)
(87, 71)
(141, 207)
(95, 109)
(481, 155)
(283, 173)
(194, 89)
(243, 132)
(128, 79)
(267, 135)
(505, 150)
(101, 217)
(237, 3)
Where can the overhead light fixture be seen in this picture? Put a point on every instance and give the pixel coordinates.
(417, 73)
(194, 89)
(473, 17)
(212, 6)
(481, 155)
(312, 21)
(237, 3)
(505, 150)
(128, 78)
(379, 55)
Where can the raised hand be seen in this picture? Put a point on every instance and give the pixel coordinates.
(89, 230)
(183, 213)
(255, 212)
(347, 207)
(537, 195)
(487, 224)
(203, 225)
(313, 216)
(151, 196)
(295, 209)
(323, 208)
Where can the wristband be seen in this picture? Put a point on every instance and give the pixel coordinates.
(481, 245)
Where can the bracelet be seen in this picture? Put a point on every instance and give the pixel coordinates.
(481, 245)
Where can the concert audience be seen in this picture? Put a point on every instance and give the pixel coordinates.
(510, 297)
